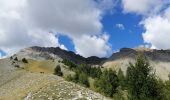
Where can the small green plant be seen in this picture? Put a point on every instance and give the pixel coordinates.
(24, 60)
(69, 78)
(16, 59)
(107, 83)
(57, 71)
(83, 79)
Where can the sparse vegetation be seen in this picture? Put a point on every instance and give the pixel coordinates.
(70, 64)
(16, 59)
(139, 83)
(58, 71)
(17, 66)
(11, 58)
(107, 83)
(83, 79)
(24, 60)
(122, 79)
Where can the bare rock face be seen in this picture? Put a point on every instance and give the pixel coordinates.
(40, 53)
(159, 60)
(152, 54)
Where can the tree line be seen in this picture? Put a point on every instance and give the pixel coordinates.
(140, 81)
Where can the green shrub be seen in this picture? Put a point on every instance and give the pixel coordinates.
(24, 60)
(83, 79)
(69, 78)
(122, 79)
(107, 83)
(68, 63)
(16, 59)
(57, 71)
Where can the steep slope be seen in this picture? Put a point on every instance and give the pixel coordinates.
(40, 53)
(159, 60)
(35, 81)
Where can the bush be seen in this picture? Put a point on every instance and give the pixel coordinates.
(11, 58)
(17, 66)
(121, 78)
(69, 78)
(16, 59)
(68, 63)
(57, 71)
(24, 60)
(107, 83)
(83, 79)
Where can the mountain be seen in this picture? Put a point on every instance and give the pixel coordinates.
(40, 53)
(35, 79)
(159, 60)
(151, 54)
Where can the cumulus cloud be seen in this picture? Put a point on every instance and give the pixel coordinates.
(106, 4)
(143, 7)
(156, 20)
(120, 26)
(35, 22)
(157, 30)
(85, 45)
(69, 17)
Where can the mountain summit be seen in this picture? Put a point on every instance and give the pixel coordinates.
(43, 53)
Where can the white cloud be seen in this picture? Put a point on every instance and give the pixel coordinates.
(120, 26)
(156, 21)
(106, 4)
(92, 45)
(70, 17)
(158, 30)
(144, 7)
(28, 22)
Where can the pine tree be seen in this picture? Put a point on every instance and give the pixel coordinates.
(142, 83)
(83, 79)
(58, 71)
(121, 78)
(107, 83)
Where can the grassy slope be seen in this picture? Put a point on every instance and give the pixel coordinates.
(30, 80)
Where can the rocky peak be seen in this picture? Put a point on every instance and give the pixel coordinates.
(56, 52)
(153, 54)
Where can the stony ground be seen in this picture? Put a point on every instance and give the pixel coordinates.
(21, 84)
(64, 91)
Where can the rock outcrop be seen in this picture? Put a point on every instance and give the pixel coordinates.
(57, 53)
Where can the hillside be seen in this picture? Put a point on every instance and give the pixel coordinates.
(159, 60)
(35, 81)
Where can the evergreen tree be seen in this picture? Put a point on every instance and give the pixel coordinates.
(142, 84)
(16, 59)
(58, 71)
(107, 83)
(83, 79)
(76, 77)
(24, 60)
(68, 63)
(121, 78)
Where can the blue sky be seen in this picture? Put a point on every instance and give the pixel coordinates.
(130, 36)
(87, 27)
